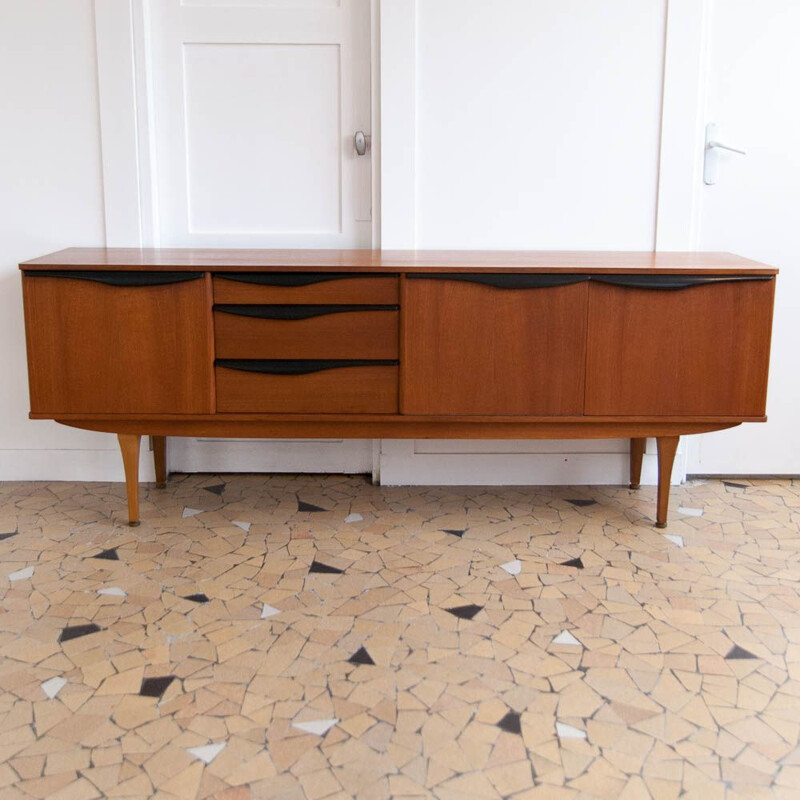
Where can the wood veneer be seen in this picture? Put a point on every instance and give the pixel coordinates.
(700, 350)
(475, 349)
(342, 390)
(366, 290)
(351, 334)
(552, 348)
(219, 260)
(118, 349)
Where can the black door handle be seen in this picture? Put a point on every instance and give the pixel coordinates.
(674, 281)
(299, 367)
(297, 278)
(504, 280)
(114, 278)
(289, 312)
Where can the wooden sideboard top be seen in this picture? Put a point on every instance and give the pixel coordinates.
(600, 262)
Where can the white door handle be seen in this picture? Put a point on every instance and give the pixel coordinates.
(711, 158)
(722, 146)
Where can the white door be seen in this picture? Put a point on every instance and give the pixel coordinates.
(754, 209)
(533, 124)
(255, 106)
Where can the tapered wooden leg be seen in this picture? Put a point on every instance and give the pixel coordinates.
(637, 453)
(667, 445)
(160, 460)
(129, 445)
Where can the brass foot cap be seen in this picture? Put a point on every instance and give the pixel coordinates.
(661, 524)
(634, 486)
(134, 524)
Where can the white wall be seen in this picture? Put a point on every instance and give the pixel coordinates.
(526, 123)
(51, 196)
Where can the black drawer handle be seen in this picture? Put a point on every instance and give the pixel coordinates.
(288, 312)
(543, 280)
(297, 278)
(300, 367)
(674, 281)
(117, 278)
(503, 280)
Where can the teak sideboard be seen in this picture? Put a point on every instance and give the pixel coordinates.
(397, 344)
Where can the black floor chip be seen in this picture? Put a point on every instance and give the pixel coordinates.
(108, 555)
(155, 687)
(76, 631)
(739, 652)
(361, 656)
(302, 506)
(510, 723)
(317, 566)
(464, 612)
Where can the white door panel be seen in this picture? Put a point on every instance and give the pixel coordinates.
(252, 170)
(754, 209)
(255, 104)
(255, 110)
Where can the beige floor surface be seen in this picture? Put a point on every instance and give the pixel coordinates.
(319, 637)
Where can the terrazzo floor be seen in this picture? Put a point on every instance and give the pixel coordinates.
(318, 637)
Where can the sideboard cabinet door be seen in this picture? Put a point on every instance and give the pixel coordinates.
(513, 348)
(118, 343)
(700, 349)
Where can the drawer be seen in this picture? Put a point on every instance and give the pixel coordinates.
(306, 387)
(305, 287)
(303, 331)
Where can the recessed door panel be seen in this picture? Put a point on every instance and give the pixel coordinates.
(269, 164)
(475, 349)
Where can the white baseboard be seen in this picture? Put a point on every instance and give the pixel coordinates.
(396, 462)
(70, 465)
(410, 463)
(270, 455)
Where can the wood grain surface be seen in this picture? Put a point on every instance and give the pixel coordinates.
(93, 347)
(405, 260)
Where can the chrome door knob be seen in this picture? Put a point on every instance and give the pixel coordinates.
(361, 142)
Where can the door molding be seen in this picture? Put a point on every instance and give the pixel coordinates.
(124, 74)
(680, 168)
(398, 121)
(686, 53)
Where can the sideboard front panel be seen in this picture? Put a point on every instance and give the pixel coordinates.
(269, 387)
(304, 287)
(472, 348)
(330, 331)
(679, 351)
(111, 348)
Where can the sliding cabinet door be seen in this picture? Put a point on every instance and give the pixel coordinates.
(493, 344)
